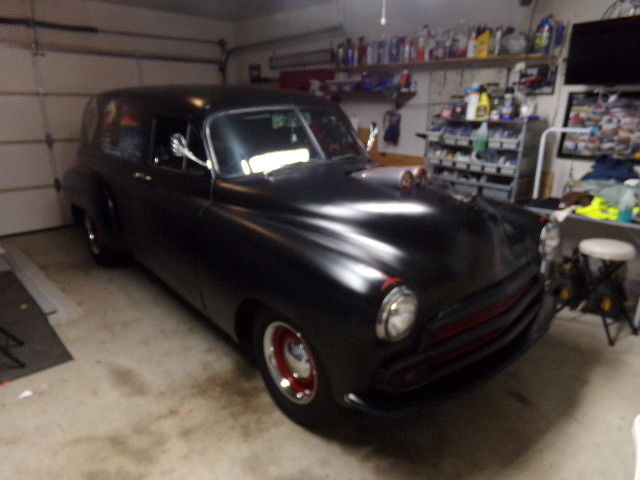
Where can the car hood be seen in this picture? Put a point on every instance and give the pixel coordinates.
(443, 247)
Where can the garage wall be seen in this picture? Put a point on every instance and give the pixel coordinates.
(360, 17)
(65, 80)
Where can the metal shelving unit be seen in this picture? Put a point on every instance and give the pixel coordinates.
(449, 158)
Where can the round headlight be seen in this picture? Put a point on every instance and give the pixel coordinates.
(397, 315)
(549, 240)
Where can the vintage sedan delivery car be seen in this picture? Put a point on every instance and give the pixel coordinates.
(351, 284)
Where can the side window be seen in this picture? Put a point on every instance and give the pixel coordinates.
(121, 134)
(89, 122)
(162, 156)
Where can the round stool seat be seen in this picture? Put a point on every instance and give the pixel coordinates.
(607, 249)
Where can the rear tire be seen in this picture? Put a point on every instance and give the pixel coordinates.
(102, 254)
(293, 373)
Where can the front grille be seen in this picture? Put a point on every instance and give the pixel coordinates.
(486, 320)
(466, 333)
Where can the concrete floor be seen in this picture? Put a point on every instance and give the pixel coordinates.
(156, 393)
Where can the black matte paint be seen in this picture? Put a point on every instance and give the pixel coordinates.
(311, 242)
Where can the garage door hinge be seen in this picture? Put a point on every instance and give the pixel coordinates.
(48, 139)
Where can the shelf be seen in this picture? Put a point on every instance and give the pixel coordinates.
(398, 97)
(482, 167)
(452, 63)
(517, 121)
(470, 146)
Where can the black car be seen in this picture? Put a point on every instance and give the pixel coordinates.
(353, 285)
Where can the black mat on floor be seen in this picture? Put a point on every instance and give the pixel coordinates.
(21, 316)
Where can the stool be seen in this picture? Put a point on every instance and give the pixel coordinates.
(613, 254)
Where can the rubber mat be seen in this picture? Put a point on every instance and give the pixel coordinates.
(22, 317)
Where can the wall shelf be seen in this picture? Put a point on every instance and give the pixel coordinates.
(456, 63)
(398, 97)
(512, 181)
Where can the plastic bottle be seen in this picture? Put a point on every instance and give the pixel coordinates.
(361, 52)
(350, 53)
(508, 110)
(483, 42)
(341, 55)
(481, 140)
(543, 36)
(423, 42)
(626, 204)
(472, 99)
(471, 44)
(484, 105)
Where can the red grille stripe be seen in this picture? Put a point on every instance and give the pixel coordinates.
(480, 317)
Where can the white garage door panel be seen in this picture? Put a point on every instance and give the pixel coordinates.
(76, 73)
(66, 156)
(20, 118)
(163, 73)
(65, 115)
(17, 72)
(24, 166)
(26, 210)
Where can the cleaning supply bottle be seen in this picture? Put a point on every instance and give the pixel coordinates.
(350, 53)
(484, 105)
(423, 44)
(508, 109)
(472, 100)
(471, 44)
(483, 42)
(361, 52)
(481, 139)
(543, 36)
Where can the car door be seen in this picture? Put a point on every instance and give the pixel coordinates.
(168, 201)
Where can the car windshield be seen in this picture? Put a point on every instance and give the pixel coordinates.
(260, 141)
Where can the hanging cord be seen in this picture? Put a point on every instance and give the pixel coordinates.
(40, 95)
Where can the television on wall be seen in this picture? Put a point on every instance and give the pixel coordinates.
(605, 53)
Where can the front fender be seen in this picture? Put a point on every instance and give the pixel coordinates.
(332, 297)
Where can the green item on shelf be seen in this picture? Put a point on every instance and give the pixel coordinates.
(481, 140)
(599, 210)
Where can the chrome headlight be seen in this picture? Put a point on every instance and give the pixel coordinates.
(549, 241)
(397, 315)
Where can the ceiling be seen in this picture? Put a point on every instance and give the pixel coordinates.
(221, 9)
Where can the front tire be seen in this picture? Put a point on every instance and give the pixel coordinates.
(101, 253)
(293, 373)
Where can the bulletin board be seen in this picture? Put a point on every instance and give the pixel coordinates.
(616, 118)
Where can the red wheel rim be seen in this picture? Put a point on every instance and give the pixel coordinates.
(290, 362)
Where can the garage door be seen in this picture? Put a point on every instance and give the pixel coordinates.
(29, 164)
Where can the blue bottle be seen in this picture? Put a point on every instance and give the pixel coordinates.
(543, 36)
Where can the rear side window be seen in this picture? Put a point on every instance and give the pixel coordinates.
(162, 156)
(121, 133)
(89, 122)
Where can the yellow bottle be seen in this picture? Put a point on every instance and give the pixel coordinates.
(483, 42)
(484, 105)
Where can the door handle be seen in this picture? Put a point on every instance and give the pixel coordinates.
(142, 176)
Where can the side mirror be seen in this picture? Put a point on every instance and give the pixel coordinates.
(179, 148)
(373, 133)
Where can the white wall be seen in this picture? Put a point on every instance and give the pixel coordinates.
(28, 200)
(361, 17)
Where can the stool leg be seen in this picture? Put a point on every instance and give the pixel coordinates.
(634, 329)
(606, 325)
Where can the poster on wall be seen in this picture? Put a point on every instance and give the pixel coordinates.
(617, 119)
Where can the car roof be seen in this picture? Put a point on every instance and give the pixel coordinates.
(199, 101)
